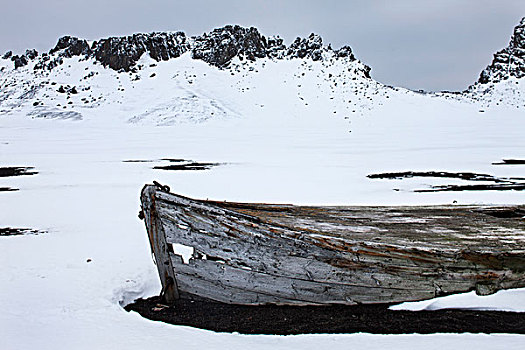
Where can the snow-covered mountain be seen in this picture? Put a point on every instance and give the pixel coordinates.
(169, 78)
(509, 62)
(502, 81)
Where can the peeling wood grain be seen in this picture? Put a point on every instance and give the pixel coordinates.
(159, 246)
(264, 253)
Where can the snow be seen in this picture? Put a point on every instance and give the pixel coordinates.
(278, 139)
(504, 300)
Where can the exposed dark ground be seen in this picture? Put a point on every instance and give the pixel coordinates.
(499, 184)
(511, 162)
(271, 319)
(16, 171)
(11, 171)
(187, 166)
(176, 164)
(441, 174)
(8, 189)
(459, 188)
(10, 231)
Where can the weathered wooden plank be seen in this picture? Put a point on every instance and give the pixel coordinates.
(365, 251)
(436, 227)
(159, 246)
(267, 259)
(216, 290)
(260, 253)
(215, 275)
(224, 229)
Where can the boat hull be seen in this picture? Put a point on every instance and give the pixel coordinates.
(255, 254)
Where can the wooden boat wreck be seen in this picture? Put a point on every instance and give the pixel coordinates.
(257, 254)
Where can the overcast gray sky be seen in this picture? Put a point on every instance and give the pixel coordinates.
(419, 44)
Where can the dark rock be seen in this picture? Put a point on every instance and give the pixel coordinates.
(61, 90)
(345, 51)
(221, 45)
(310, 47)
(31, 54)
(509, 62)
(53, 63)
(275, 47)
(123, 52)
(217, 48)
(366, 71)
(7, 55)
(163, 46)
(69, 46)
(73, 90)
(19, 61)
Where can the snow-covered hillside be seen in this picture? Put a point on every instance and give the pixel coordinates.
(167, 78)
(302, 123)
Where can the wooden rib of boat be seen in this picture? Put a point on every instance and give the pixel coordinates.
(257, 254)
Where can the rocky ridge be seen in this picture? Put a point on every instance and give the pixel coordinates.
(77, 76)
(509, 62)
(217, 48)
(221, 45)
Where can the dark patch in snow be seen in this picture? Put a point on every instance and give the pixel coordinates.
(511, 162)
(444, 174)
(172, 160)
(16, 171)
(9, 231)
(8, 189)
(187, 166)
(499, 184)
(459, 188)
(140, 161)
(176, 160)
(272, 319)
(180, 164)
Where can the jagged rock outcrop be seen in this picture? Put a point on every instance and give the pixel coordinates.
(123, 52)
(221, 45)
(276, 47)
(310, 47)
(509, 62)
(217, 48)
(345, 51)
(71, 46)
(19, 61)
(31, 54)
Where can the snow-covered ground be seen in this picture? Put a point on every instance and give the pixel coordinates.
(279, 135)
